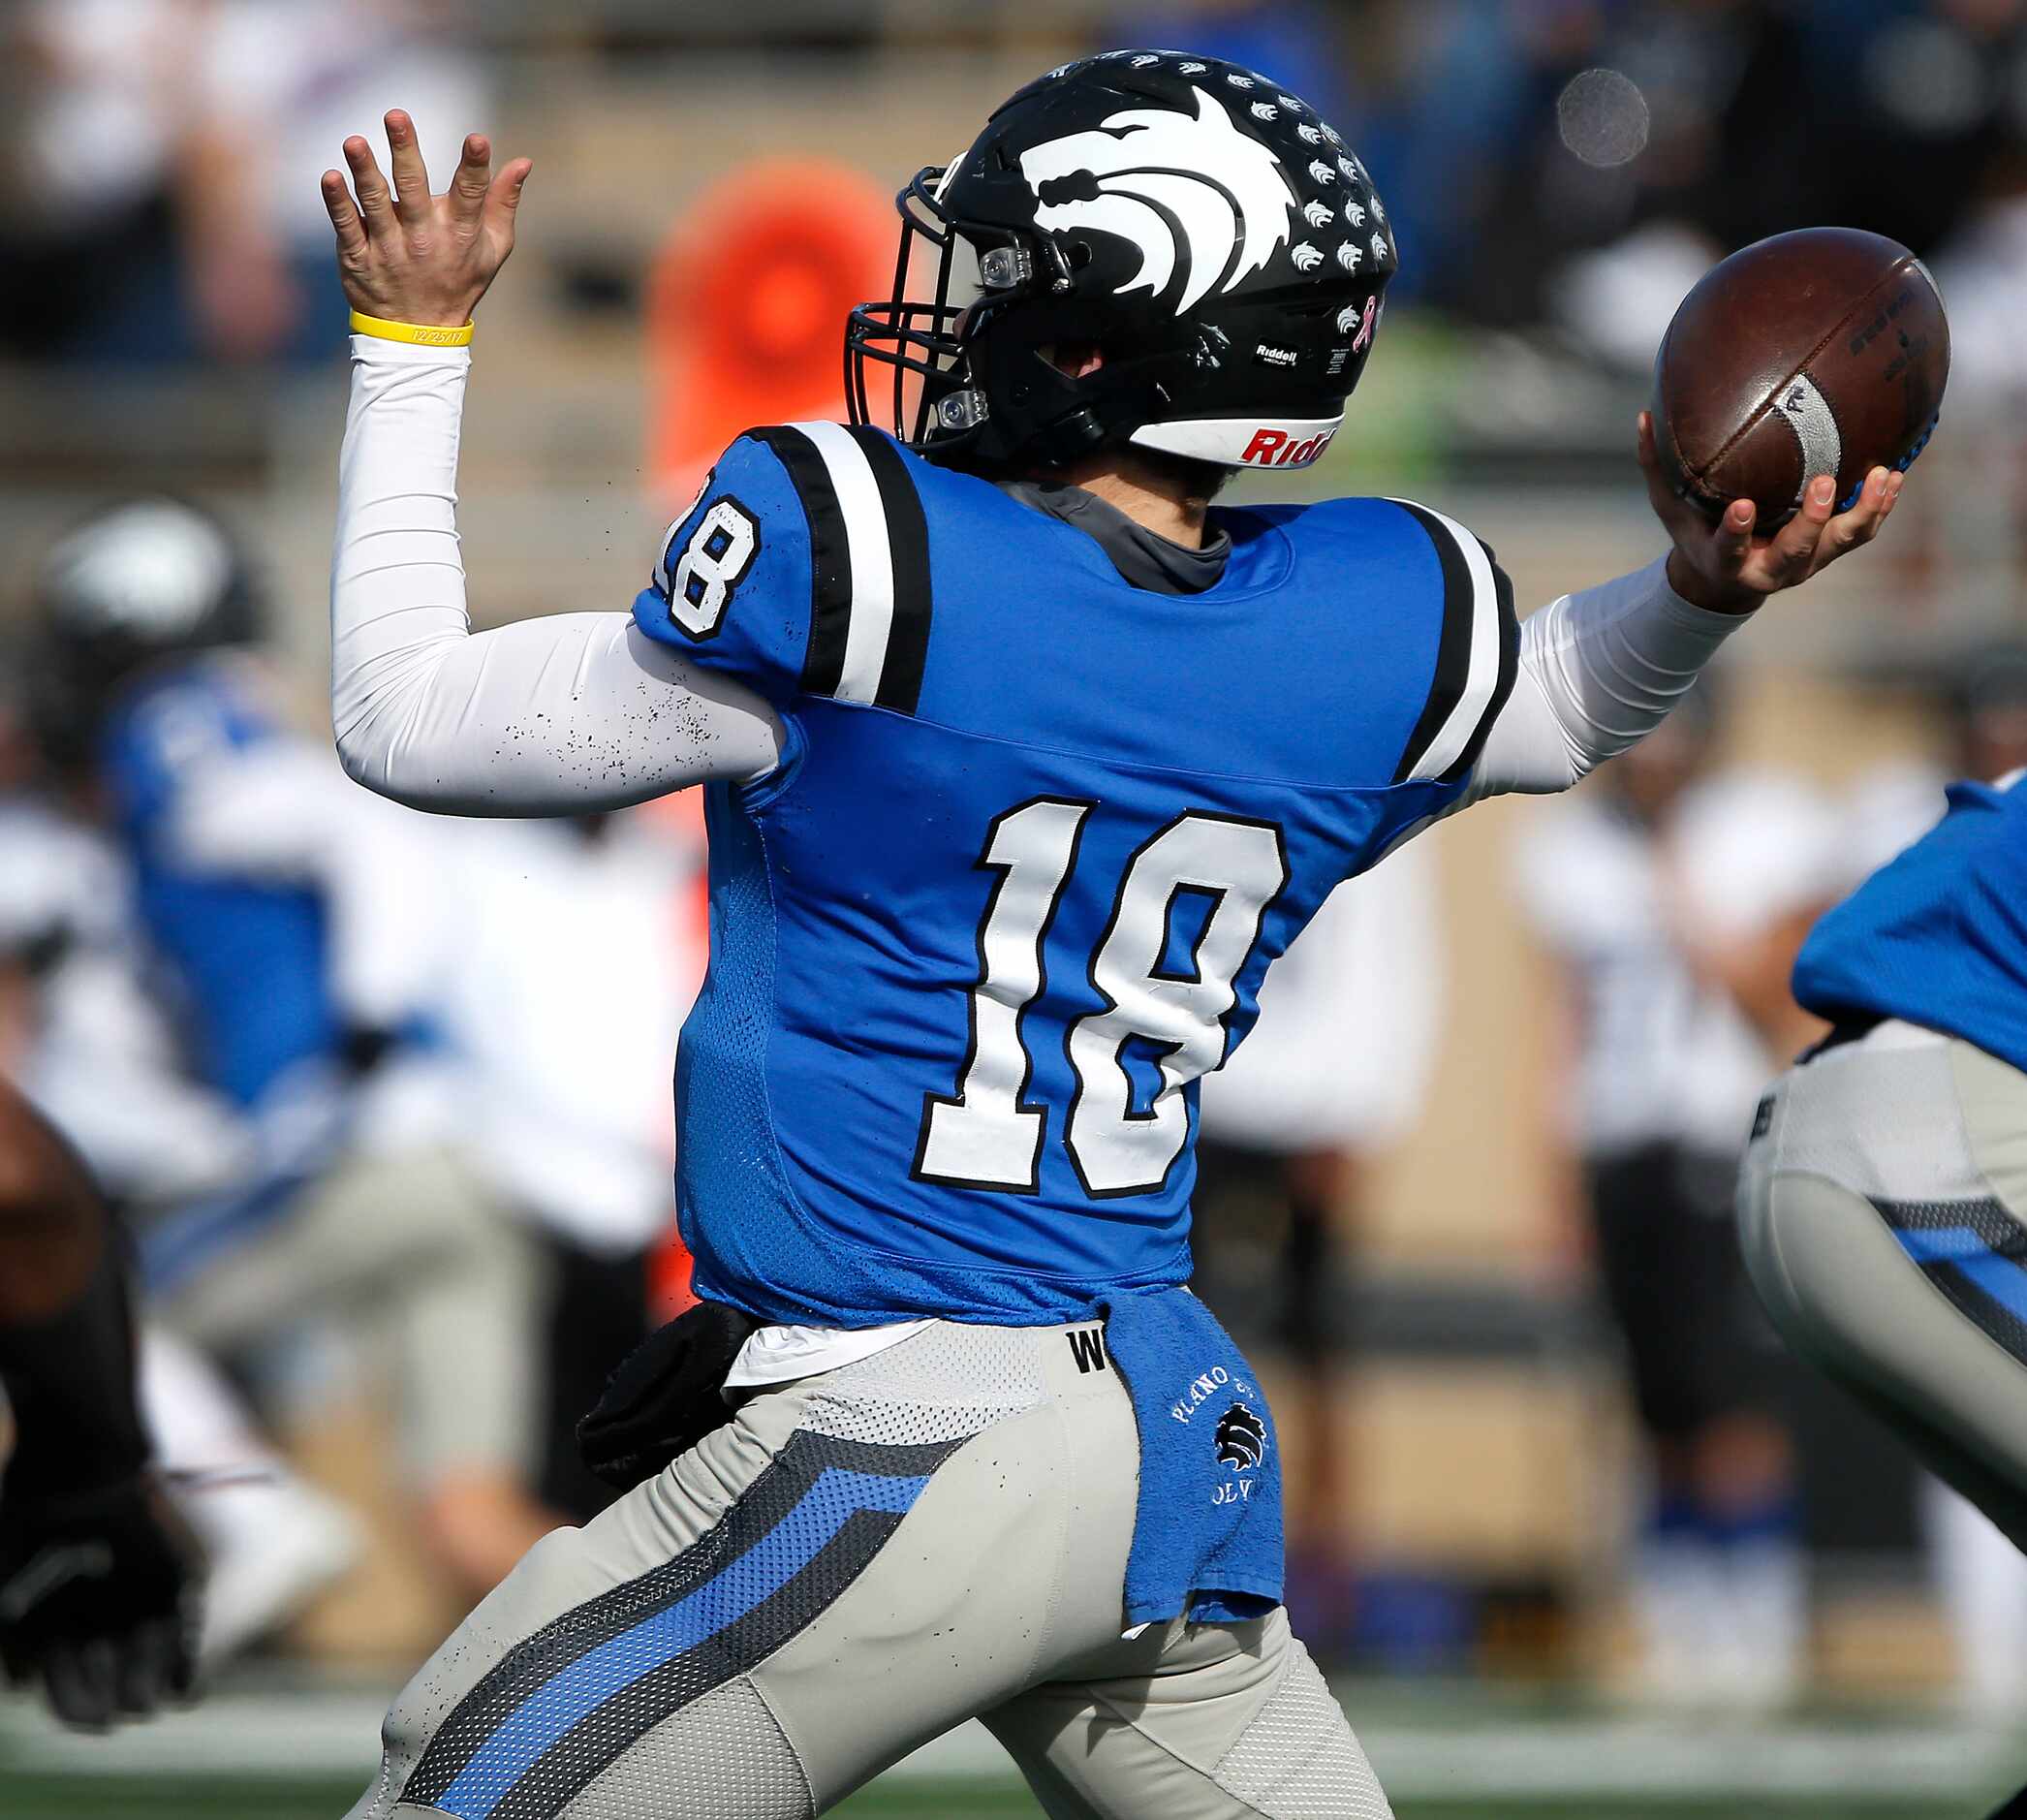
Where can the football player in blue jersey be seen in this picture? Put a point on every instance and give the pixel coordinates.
(244, 848)
(1883, 1203)
(1022, 763)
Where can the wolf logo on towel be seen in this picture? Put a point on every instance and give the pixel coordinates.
(1242, 1439)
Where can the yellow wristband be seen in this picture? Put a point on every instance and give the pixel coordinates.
(425, 334)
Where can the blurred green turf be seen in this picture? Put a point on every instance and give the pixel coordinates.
(40, 1797)
(177, 1798)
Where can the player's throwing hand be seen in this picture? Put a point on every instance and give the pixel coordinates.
(406, 255)
(1727, 568)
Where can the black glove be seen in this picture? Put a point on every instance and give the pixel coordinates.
(98, 1600)
(664, 1398)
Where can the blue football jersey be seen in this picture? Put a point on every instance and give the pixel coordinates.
(1035, 839)
(247, 953)
(1937, 936)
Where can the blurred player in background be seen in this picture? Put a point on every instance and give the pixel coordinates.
(1982, 1579)
(1333, 1074)
(1023, 763)
(282, 934)
(98, 1578)
(1673, 897)
(83, 1035)
(1899, 1141)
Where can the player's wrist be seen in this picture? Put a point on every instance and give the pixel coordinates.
(1694, 589)
(427, 333)
(84, 1444)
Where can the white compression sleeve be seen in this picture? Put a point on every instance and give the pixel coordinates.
(558, 715)
(1598, 672)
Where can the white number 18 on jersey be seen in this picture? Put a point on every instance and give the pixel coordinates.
(987, 1135)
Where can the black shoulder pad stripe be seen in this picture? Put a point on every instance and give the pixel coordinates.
(830, 556)
(1509, 668)
(1453, 646)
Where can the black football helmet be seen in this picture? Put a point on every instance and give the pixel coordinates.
(138, 582)
(1195, 221)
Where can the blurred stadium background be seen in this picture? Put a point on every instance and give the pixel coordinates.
(1395, 1219)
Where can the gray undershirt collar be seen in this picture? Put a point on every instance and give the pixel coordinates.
(1142, 558)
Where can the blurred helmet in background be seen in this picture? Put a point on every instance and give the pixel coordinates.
(135, 584)
(1192, 222)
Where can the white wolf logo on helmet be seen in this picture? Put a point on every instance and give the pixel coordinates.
(1163, 176)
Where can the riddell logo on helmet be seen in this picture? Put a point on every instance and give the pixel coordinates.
(1276, 449)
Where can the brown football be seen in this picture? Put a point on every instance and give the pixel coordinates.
(1824, 350)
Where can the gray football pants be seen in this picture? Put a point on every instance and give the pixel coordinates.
(854, 1564)
(1881, 1209)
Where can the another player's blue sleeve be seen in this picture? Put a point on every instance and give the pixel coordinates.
(803, 569)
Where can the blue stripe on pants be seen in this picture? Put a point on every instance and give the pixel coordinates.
(551, 1709)
(2003, 1280)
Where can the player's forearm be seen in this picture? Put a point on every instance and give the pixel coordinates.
(52, 1225)
(1599, 671)
(66, 1336)
(553, 716)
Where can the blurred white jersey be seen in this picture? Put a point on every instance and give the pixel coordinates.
(1667, 1054)
(580, 957)
(92, 1049)
(1349, 1018)
(1887, 810)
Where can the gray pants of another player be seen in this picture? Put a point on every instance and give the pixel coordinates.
(854, 1564)
(1883, 1210)
(412, 1249)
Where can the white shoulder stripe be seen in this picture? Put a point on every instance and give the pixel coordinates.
(869, 555)
(1481, 679)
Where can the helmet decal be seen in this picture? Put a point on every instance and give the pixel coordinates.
(1204, 202)
(1194, 220)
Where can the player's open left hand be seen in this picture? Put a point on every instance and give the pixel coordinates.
(1728, 569)
(407, 255)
